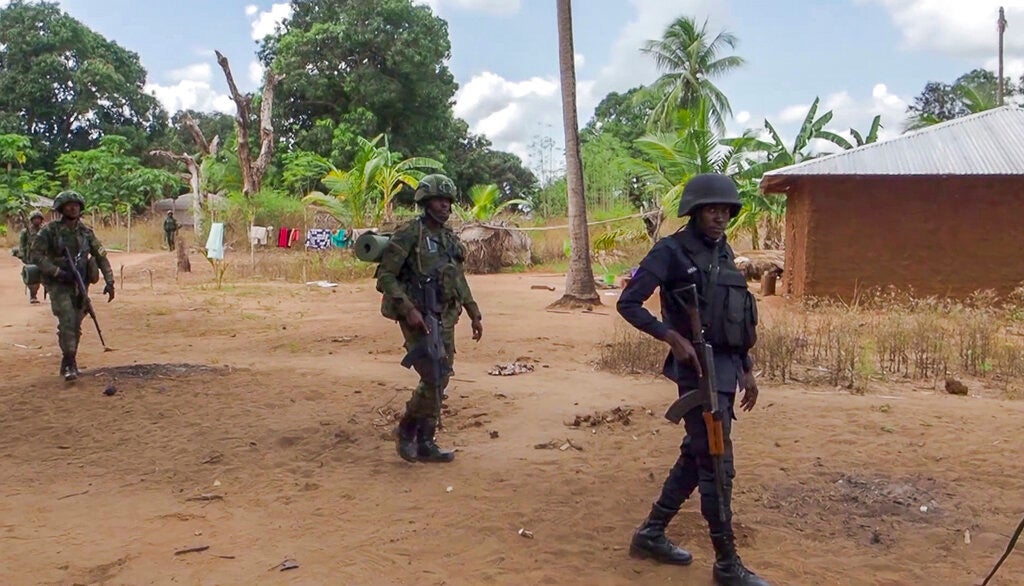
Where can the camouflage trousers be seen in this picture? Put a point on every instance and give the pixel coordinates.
(33, 290)
(423, 403)
(170, 239)
(66, 304)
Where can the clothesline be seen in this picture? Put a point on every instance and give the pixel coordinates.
(563, 226)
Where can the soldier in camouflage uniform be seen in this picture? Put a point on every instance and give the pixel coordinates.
(425, 246)
(90, 258)
(170, 228)
(25, 240)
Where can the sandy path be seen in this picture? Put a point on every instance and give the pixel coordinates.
(286, 425)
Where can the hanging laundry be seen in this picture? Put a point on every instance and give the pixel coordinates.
(293, 236)
(215, 241)
(258, 234)
(282, 238)
(340, 239)
(318, 239)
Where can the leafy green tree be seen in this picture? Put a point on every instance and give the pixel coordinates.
(622, 116)
(303, 171)
(691, 56)
(112, 180)
(65, 86)
(361, 68)
(18, 185)
(972, 92)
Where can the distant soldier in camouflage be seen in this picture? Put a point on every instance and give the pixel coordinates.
(426, 247)
(170, 229)
(90, 258)
(25, 240)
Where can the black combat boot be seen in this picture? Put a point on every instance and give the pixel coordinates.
(729, 570)
(68, 368)
(649, 539)
(405, 439)
(428, 450)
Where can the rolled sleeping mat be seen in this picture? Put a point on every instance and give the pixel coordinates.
(31, 275)
(370, 246)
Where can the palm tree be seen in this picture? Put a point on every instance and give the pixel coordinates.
(580, 288)
(671, 159)
(691, 58)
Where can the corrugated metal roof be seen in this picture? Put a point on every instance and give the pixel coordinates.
(987, 143)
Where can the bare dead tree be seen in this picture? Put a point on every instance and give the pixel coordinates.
(252, 171)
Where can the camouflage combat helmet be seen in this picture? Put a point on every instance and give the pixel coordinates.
(66, 197)
(36, 214)
(433, 186)
(709, 188)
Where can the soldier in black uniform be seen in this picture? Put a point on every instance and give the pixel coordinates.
(698, 254)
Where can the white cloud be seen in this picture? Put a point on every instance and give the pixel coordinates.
(508, 112)
(957, 27)
(495, 7)
(191, 94)
(256, 73)
(265, 22)
(743, 117)
(579, 60)
(191, 87)
(251, 9)
(195, 72)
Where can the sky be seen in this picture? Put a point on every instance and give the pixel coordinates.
(860, 57)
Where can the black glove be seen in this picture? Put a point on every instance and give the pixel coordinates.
(109, 291)
(65, 276)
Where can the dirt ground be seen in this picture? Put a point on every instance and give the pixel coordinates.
(275, 398)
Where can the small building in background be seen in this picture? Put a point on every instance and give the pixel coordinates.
(939, 211)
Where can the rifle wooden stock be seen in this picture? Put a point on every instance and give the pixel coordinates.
(705, 395)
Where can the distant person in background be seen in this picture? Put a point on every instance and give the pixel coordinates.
(170, 228)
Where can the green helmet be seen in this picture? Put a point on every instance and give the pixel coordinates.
(36, 214)
(709, 188)
(433, 186)
(66, 197)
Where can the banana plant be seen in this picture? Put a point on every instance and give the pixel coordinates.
(486, 203)
(363, 196)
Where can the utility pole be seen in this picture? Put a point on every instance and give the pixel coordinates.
(1001, 26)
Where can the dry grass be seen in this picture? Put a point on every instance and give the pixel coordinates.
(631, 352)
(885, 338)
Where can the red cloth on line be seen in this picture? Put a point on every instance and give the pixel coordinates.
(294, 236)
(282, 238)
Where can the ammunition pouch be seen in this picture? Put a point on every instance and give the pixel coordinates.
(733, 312)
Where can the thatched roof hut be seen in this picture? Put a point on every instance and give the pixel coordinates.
(494, 245)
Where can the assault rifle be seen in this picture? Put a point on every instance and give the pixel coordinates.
(705, 395)
(80, 285)
(429, 358)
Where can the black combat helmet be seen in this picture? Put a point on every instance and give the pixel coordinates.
(709, 188)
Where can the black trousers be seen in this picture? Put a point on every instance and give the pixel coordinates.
(694, 468)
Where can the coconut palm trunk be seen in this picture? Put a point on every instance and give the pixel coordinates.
(580, 289)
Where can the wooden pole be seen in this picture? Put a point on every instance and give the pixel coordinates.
(1001, 25)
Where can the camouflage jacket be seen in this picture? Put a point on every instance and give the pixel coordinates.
(170, 224)
(25, 240)
(48, 250)
(415, 251)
